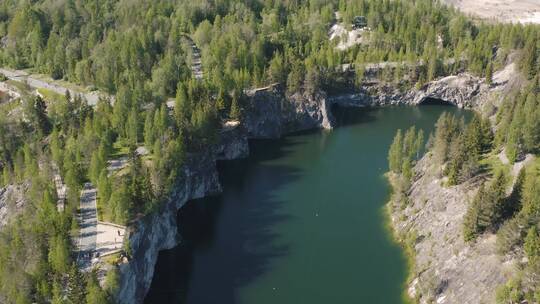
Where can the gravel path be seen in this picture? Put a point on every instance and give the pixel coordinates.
(196, 62)
(22, 76)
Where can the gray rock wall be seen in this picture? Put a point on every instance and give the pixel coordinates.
(269, 113)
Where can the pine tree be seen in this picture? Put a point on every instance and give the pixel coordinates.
(220, 101)
(512, 144)
(36, 110)
(95, 295)
(532, 245)
(456, 159)
(6, 176)
(104, 188)
(407, 173)
(149, 132)
(395, 153)
(531, 127)
(132, 126)
(59, 255)
(235, 109)
(182, 106)
(471, 225)
(486, 208)
(497, 196)
(97, 164)
(57, 297)
(530, 195)
(56, 147)
(528, 60)
(489, 74)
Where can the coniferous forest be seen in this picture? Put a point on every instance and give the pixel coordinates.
(140, 54)
(468, 152)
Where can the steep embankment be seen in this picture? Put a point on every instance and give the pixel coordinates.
(269, 113)
(446, 269)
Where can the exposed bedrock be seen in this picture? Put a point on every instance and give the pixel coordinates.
(269, 113)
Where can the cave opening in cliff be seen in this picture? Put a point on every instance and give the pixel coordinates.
(433, 101)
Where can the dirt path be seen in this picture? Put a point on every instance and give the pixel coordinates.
(196, 63)
(61, 189)
(22, 76)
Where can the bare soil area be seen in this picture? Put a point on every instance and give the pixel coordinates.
(515, 11)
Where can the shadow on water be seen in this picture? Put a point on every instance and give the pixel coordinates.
(346, 116)
(430, 101)
(228, 240)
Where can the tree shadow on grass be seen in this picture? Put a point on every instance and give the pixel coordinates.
(228, 240)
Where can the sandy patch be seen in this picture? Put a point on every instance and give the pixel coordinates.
(110, 238)
(515, 11)
(347, 38)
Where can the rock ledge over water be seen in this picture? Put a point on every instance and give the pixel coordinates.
(269, 113)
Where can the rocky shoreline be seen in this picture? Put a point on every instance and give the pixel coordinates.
(269, 113)
(445, 268)
(428, 224)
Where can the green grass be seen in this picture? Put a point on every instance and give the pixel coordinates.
(491, 164)
(22, 87)
(9, 106)
(112, 259)
(66, 84)
(534, 166)
(120, 149)
(51, 96)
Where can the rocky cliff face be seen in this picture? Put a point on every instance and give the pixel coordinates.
(446, 268)
(269, 113)
(463, 91)
(12, 201)
(159, 231)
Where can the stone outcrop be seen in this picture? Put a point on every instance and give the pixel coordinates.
(463, 91)
(12, 201)
(159, 230)
(446, 268)
(269, 113)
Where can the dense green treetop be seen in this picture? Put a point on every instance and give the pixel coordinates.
(140, 51)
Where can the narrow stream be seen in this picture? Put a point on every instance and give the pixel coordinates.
(300, 221)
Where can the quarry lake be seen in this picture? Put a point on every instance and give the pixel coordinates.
(299, 221)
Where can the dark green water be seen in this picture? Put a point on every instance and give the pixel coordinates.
(300, 221)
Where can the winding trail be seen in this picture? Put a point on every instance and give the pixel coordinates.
(196, 62)
(24, 77)
(196, 66)
(61, 188)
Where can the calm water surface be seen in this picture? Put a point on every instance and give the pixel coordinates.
(300, 221)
